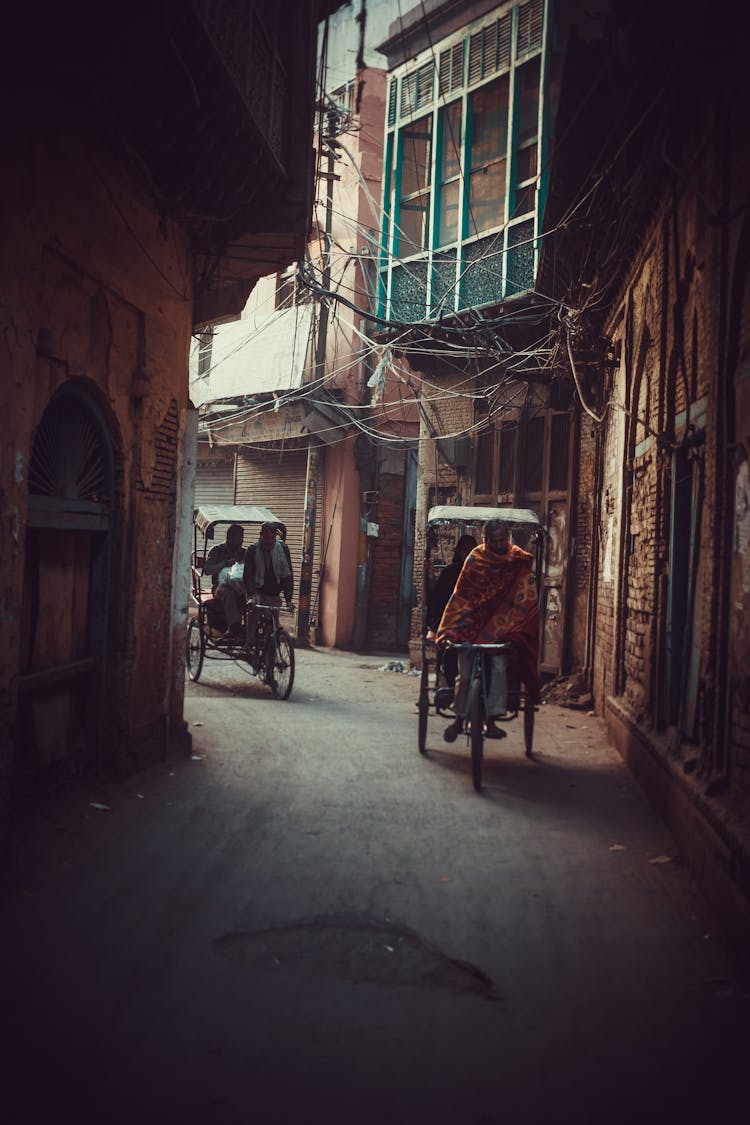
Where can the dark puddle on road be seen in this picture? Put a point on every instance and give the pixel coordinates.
(361, 951)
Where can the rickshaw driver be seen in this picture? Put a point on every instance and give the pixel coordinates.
(229, 590)
(494, 601)
(267, 575)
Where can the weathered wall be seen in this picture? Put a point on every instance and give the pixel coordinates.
(437, 482)
(96, 288)
(387, 551)
(340, 539)
(581, 551)
(673, 594)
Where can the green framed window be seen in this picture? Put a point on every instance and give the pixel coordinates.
(465, 167)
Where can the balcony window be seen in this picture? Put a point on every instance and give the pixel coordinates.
(450, 173)
(527, 136)
(414, 201)
(463, 158)
(489, 142)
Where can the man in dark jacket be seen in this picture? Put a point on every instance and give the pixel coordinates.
(267, 575)
(227, 588)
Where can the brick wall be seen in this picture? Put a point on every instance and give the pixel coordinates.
(385, 577)
(671, 390)
(583, 508)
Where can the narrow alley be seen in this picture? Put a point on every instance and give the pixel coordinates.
(305, 920)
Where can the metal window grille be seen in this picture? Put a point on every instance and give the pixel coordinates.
(489, 49)
(529, 30)
(520, 265)
(451, 71)
(392, 100)
(416, 89)
(409, 291)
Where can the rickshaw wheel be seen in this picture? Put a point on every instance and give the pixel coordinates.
(280, 665)
(424, 707)
(476, 718)
(528, 723)
(195, 649)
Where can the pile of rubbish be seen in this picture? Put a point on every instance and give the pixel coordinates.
(405, 667)
(568, 691)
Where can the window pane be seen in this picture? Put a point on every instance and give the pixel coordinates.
(483, 471)
(525, 164)
(448, 223)
(525, 200)
(415, 156)
(508, 447)
(487, 197)
(533, 452)
(413, 222)
(489, 122)
(451, 162)
(559, 446)
(527, 96)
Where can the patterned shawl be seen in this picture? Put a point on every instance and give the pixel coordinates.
(495, 600)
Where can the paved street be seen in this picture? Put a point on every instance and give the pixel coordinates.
(309, 921)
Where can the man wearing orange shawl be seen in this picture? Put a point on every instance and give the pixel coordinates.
(494, 600)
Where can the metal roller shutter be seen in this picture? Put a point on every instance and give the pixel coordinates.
(277, 480)
(214, 482)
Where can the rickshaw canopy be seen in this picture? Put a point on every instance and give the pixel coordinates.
(207, 516)
(461, 513)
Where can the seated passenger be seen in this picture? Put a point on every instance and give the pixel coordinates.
(495, 600)
(227, 583)
(437, 599)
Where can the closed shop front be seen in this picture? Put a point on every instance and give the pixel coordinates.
(276, 479)
(214, 476)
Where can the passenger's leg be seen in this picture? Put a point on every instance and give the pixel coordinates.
(465, 660)
(497, 699)
(229, 603)
(450, 666)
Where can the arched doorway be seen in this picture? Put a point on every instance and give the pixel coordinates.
(66, 590)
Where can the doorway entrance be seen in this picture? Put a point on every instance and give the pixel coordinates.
(64, 611)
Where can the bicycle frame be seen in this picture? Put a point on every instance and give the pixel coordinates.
(477, 714)
(270, 656)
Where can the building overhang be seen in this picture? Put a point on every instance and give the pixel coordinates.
(264, 420)
(416, 30)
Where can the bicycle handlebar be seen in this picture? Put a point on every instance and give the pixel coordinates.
(469, 646)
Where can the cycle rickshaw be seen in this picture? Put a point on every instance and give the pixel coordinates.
(270, 653)
(444, 524)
